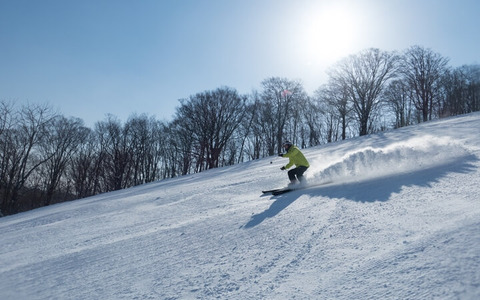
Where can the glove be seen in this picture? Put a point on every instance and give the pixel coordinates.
(282, 168)
(280, 154)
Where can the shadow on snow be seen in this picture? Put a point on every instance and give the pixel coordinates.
(372, 189)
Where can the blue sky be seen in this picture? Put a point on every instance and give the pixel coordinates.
(91, 58)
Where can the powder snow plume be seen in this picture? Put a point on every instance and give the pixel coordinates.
(397, 158)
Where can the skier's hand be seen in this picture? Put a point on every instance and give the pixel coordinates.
(282, 168)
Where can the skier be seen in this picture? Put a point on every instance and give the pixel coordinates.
(296, 158)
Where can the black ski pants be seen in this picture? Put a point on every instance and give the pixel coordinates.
(297, 173)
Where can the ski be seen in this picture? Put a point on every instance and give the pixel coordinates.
(271, 191)
(282, 191)
(276, 192)
(279, 191)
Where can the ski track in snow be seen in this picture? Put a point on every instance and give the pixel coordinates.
(400, 220)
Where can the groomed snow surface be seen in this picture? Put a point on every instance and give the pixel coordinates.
(400, 219)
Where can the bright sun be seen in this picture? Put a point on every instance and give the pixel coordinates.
(330, 33)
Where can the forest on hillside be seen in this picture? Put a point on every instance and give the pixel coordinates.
(46, 158)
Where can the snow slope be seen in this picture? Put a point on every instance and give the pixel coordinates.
(401, 220)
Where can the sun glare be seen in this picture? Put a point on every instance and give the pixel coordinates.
(329, 34)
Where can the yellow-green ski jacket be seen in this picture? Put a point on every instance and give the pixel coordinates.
(295, 157)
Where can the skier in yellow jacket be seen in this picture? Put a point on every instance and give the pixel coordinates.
(296, 158)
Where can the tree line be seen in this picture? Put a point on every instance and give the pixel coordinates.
(46, 158)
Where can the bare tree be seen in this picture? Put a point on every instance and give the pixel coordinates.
(156, 150)
(336, 106)
(115, 152)
(423, 70)
(398, 97)
(472, 76)
(247, 125)
(461, 87)
(211, 118)
(280, 102)
(6, 116)
(179, 154)
(19, 152)
(144, 141)
(313, 121)
(363, 76)
(62, 139)
(7, 119)
(257, 142)
(295, 129)
(85, 167)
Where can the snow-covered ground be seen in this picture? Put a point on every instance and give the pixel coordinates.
(400, 220)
